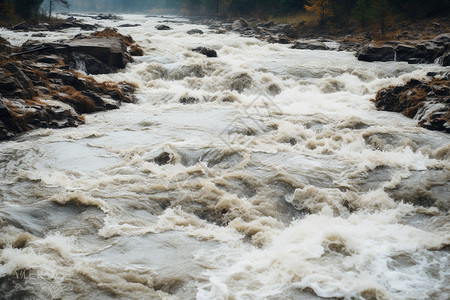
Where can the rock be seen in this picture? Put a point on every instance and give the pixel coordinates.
(372, 53)
(194, 31)
(39, 91)
(425, 101)
(349, 46)
(162, 27)
(48, 59)
(109, 50)
(310, 45)
(239, 24)
(444, 60)
(21, 26)
(4, 111)
(442, 39)
(135, 50)
(163, 159)
(405, 52)
(241, 82)
(206, 51)
(129, 25)
(188, 100)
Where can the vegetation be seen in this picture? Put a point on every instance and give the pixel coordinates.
(338, 13)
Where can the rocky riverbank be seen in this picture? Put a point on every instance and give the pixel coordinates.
(42, 86)
(426, 101)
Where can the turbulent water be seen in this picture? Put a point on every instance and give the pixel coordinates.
(264, 173)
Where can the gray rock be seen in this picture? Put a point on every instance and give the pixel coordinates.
(310, 45)
(372, 53)
(239, 24)
(206, 51)
(109, 50)
(194, 31)
(162, 27)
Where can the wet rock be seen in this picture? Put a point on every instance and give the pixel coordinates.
(239, 24)
(372, 53)
(48, 59)
(310, 45)
(405, 52)
(107, 17)
(194, 31)
(135, 50)
(206, 51)
(109, 50)
(241, 82)
(425, 101)
(188, 100)
(444, 60)
(129, 25)
(38, 90)
(162, 159)
(163, 27)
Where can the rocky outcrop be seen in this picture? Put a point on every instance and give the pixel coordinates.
(68, 23)
(206, 51)
(372, 53)
(310, 45)
(427, 51)
(428, 102)
(40, 89)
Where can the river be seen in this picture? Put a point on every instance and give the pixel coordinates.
(264, 173)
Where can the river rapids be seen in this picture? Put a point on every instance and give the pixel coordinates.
(264, 173)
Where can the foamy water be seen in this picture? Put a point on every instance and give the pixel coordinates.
(281, 181)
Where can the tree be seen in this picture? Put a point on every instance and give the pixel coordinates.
(361, 12)
(317, 7)
(380, 11)
(52, 3)
(27, 9)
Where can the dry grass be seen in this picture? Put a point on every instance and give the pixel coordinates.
(81, 103)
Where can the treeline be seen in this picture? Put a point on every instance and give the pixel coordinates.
(124, 6)
(327, 10)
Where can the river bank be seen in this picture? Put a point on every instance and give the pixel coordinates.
(46, 85)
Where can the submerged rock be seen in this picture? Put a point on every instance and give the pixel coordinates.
(162, 27)
(206, 51)
(194, 31)
(425, 101)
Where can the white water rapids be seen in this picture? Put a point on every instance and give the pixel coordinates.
(282, 181)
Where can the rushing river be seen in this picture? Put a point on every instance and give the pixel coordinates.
(264, 173)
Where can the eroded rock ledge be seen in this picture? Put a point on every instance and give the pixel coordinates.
(427, 101)
(40, 86)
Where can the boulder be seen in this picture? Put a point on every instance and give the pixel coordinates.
(372, 53)
(109, 50)
(425, 101)
(310, 45)
(194, 31)
(444, 60)
(239, 24)
(206, 51)
(405, 52)
(162, 27)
